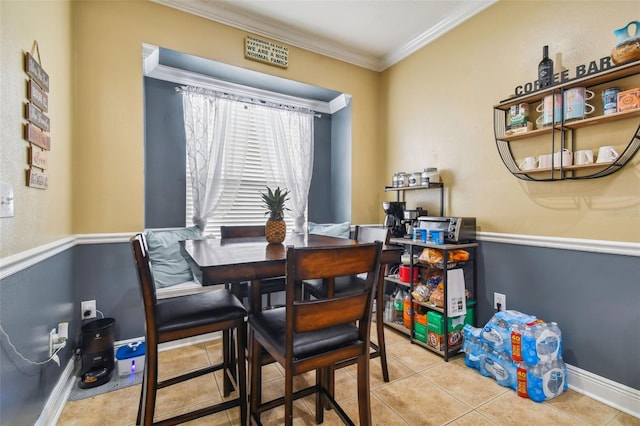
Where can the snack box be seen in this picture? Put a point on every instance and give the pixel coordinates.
(521, 128)
(628, 100)
(519, 114)
(435, 321)
(436, 340)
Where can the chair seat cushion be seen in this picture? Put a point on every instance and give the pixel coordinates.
(197, 310)
(271, 325)
(342, 285)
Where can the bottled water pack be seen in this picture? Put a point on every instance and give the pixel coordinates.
(519, 351)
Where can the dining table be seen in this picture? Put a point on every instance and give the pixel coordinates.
(234, 260)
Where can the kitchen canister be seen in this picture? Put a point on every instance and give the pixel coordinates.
(429, 175)
(610, 100)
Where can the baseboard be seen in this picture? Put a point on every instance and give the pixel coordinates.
(613, 394)
(58, 397)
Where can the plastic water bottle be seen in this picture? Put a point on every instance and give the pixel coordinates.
(472, 346)
(500, 367)
(398, 306)
(521, 382)
(547, 380)
(541, 342)
(548, 342)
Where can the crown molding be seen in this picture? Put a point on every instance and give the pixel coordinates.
(464, 12)
(270, 29)
(152, 68)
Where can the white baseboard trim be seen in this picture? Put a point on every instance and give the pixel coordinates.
(613, 394)
(58, 397)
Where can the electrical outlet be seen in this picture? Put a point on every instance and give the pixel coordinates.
(87, 309)
(501, 299)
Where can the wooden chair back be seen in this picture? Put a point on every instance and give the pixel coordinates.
(327, 263)
(369, 234)
(242, 231)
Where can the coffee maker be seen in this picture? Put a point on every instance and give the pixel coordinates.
(411, 219)
(394, 216)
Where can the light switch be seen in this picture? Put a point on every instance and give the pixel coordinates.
(6, 200)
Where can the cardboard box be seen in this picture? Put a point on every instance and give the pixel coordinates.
(628, 100)
(435, 321)
(436, 340)
(420, 332)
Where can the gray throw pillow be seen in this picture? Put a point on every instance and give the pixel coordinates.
(169, 264)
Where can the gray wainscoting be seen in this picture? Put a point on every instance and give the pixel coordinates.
(594, 298)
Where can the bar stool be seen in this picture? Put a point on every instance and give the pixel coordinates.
(347, 284)
(187, 316)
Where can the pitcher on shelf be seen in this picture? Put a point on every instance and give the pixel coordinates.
(628, 47)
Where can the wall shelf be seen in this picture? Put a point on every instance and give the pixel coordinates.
(555, 137)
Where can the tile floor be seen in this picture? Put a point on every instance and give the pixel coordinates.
(424, 390)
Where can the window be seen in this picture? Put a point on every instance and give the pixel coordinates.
(249, 162)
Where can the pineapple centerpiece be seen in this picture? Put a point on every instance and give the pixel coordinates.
(273, 201)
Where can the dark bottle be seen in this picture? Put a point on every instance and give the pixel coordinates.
(545, 68)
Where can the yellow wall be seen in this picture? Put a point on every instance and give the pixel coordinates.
(109, 117)
(432, 109)
(437, 111)
(41, 216)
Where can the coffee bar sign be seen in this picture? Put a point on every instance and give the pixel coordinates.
(563, 77)
(266, 51)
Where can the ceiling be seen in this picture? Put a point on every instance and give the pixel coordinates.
(373, 34)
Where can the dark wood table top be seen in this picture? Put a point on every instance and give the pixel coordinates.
(245, 259)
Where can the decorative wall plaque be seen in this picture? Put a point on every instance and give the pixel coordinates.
(266, 51)
(38, 123)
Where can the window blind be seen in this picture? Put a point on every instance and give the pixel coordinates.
(249, 166)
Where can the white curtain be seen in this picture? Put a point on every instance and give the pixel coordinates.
(210, 118)
(292, 133)
(206, 122)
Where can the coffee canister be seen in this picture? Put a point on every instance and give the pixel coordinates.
(610, 100)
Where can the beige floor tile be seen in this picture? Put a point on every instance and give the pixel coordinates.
(113, 408)
(583, 408)
(381, 413)
(200, 390)
(510, 409)
(419, 402)
(466, 384)
(413, 356)
(424, 390)
(217, 419)
(472, 419)
(624, 419)
(181, 360)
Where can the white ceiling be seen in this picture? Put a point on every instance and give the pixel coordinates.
(373, 34)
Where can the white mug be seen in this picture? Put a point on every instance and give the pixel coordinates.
(563, 157)
(607, 154)
(528, 163)
(581, 157)
(544, 161)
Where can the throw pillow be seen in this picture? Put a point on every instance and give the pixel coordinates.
(169, 264)
(340, 230)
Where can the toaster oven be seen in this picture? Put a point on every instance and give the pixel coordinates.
(456, 229)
